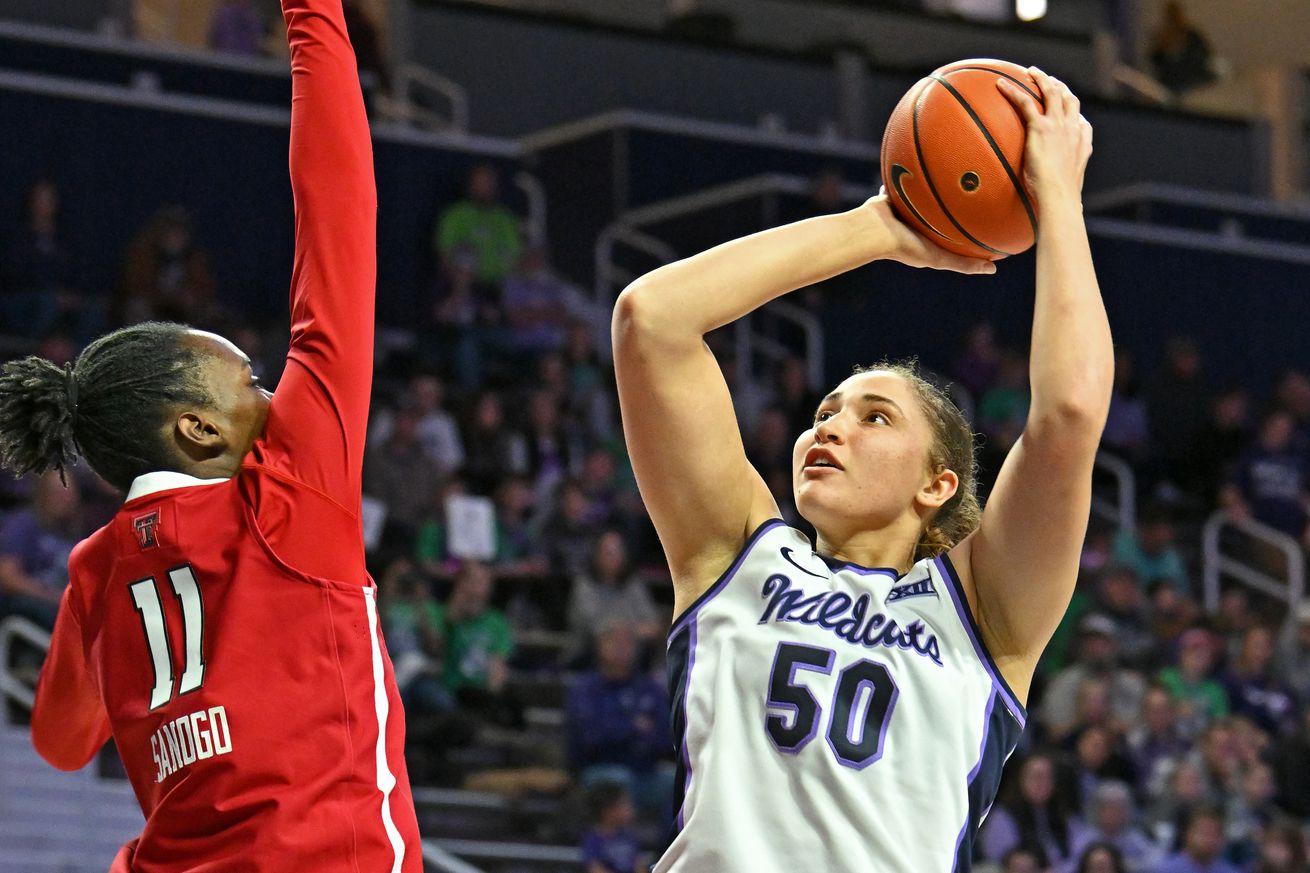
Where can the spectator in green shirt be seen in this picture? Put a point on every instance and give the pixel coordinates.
(484, 226)
(478, 645)
(414, 624)
(1201, 698)
(1151, 552)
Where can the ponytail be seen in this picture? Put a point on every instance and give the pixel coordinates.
(38, 403)
(110, 407)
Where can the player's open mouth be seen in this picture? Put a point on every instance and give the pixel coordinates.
(819, 458)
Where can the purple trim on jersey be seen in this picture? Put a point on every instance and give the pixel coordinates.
(723, 580)
(826, 670)
(836, 564)
(947, 569)
(686, 728)
(688, 620)
(882, 729)
(973, 774)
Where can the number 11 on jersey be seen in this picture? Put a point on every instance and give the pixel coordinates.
(145, 594)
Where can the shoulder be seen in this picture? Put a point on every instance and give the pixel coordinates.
(95, 551)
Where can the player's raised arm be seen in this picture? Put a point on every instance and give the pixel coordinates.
(69, 723)
(1024, 556)
(318, 416)
(702, 494)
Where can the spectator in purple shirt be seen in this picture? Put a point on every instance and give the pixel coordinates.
(539, 304)
(34, 547)
(1269, 482)
(1155, 740)
(1203, 845)
(1111, 824)
(1126, 430)
(611, 846)
(618, 724)
(236, 29)
(1253, 690)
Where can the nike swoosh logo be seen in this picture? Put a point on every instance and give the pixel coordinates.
(786, 556)
(899, 173)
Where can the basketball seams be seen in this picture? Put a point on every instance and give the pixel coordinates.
(891, 178)
(1015, 79)
(927, 174)
(991, 141)
(924, 124)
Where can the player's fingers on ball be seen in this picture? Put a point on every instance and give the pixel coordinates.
(972, 266)
(1073, 104)
(1045, 84)
(1063, 97)
(1022, 100)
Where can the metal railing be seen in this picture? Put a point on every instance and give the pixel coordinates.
(630, 229)
(412, 81)
(18, 628)
(443, 861)
(494, 850)
(1122, 510)
(1160, 192)
(535, 193)
(610, 277)
(1217, 564)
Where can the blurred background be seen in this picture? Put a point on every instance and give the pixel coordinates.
(533, 157)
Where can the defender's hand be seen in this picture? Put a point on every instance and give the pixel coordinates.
(1059, 139)
(915, 250)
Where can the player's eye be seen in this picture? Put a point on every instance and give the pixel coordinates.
(878, 417)
(821, 416)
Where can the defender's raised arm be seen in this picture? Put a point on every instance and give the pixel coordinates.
(319, 416)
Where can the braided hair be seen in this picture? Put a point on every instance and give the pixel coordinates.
(108, 407)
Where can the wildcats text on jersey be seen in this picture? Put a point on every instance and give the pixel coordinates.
(849, 618)
(194, 737)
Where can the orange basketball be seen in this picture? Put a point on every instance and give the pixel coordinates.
(952, 160)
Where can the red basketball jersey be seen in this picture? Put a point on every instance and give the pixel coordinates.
(225, 632)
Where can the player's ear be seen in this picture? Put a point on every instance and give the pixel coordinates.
(938, 489)
(198, 435)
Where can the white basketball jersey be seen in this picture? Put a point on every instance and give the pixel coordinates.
(832, 718)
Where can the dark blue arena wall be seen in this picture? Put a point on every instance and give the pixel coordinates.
(117, 161)
(92, 58)
(116, 164)
(1249, 315)
(75, 14)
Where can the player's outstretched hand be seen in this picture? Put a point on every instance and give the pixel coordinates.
(1059, 139)
(915, 250)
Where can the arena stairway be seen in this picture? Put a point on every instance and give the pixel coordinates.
(53, 822)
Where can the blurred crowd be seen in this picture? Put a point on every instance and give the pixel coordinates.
(524, 598)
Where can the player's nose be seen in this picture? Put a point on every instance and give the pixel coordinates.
(828, 431)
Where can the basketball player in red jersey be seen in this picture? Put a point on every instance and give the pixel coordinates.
(222, 627)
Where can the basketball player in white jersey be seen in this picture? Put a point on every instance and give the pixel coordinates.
(848, 706)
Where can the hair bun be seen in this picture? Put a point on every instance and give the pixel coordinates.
(37, 400)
